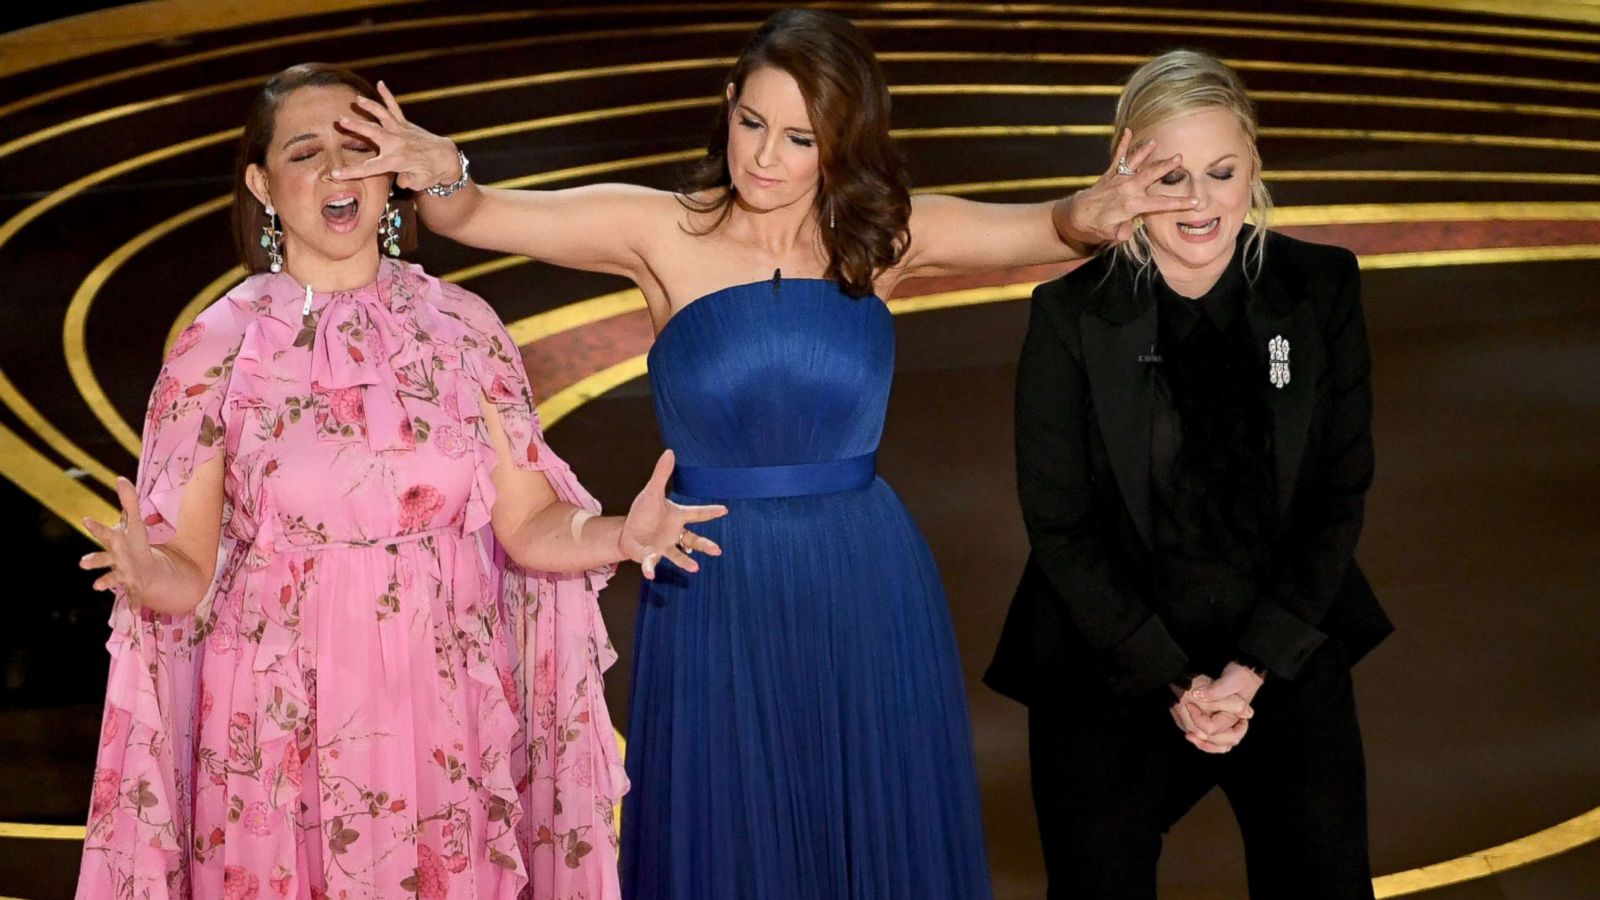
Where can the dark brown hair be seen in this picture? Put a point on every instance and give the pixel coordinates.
(249, 216)
(864, 187)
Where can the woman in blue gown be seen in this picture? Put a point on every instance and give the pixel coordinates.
(798, 723)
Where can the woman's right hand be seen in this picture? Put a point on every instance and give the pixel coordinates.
(133, 563)
(418, 158)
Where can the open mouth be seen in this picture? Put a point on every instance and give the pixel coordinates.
(1201, 229)
(343, 212)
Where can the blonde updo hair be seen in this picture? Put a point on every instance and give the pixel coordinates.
(1177, 83)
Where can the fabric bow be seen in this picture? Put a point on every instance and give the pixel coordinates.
(359, 345)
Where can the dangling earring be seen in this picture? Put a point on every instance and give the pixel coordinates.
(389, 232)
(830, 215)
(272, 241)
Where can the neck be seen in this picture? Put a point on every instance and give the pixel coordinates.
(1187, 281)
(330, 275)
(776, 232)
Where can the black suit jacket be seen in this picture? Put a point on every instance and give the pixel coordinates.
(1085, 399)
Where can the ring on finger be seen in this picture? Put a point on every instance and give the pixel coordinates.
(684, 542)
(1124, 169)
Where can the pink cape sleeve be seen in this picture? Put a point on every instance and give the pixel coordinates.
(138, 834)
(571, 776)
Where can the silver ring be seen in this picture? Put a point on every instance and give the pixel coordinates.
(1122, 167)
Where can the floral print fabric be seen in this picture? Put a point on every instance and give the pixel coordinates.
(372, 700)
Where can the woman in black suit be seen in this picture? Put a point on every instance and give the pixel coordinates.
(1194, 448)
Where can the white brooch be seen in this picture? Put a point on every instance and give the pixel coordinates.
(1278, 353)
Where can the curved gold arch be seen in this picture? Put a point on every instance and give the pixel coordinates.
(1570, 35)
(100, 117)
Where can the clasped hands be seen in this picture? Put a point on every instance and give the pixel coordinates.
(1214, 714)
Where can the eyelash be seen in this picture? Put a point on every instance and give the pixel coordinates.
(1173, 178)
(358, 148)
(795, 139)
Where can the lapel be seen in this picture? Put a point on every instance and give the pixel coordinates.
(1277, 310)
(1114, 340)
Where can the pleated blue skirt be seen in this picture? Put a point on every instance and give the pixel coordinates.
(799, 724)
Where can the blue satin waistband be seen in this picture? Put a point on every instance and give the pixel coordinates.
(765, 482)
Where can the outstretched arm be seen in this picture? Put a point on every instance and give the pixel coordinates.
(950, 236)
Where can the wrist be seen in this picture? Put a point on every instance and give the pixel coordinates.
(1081, 243)
(610, 532)
(174, 585)
(1180, 686)
(1255, 667)
(454, 169)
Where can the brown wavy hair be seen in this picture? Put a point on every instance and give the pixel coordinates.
(863, 185)
(249, 216)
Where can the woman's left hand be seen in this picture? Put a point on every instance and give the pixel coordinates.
(1236, 680)
(1105, 212)
(657, 527)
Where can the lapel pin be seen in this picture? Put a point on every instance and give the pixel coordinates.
(1278, 353)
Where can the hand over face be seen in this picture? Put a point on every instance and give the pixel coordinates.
(1106, 211)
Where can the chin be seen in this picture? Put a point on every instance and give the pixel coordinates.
(763, 198)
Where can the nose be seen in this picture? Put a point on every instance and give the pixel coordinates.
(336, 158)
(767, 149)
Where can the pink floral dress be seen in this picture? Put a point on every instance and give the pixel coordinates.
(371, 701)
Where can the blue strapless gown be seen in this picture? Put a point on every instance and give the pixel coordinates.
(799, 722)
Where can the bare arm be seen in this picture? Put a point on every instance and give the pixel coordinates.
(950, 236)
(597, 228)
(544, 534)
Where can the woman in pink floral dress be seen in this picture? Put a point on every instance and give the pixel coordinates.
(340, 666)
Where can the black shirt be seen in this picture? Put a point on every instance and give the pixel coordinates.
(1212, 470)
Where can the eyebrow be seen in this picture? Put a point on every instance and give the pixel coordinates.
(1224, 158)
(753, 114)
(298, 138)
